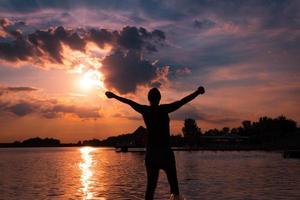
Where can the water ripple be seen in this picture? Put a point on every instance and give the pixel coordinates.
(98, 173)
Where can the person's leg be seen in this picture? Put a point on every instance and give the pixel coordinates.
(152, 177)
(170, 170)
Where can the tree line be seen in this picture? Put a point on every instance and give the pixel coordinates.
(267, 132)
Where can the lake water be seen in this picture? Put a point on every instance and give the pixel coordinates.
(99, 173)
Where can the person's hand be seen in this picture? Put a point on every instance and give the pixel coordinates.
(110, 94)
(201, 90)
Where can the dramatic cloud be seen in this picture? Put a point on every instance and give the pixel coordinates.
(4, 90)
(58, 110)
(42, 44)
(125, 71)
(21, 108)
(136, 39)
(49, 43)
(124, 68)
(10, 29)
(47, 108)
(22, 105)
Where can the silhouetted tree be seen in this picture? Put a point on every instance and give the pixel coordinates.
(191, 132)
(213, 132)
(226, 130)
(176, 140)
(39, 142)
(234, 131)
(246, 124)
(268, 130)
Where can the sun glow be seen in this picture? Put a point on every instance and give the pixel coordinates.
(91, 79)
(87, 64)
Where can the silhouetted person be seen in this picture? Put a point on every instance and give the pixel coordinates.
(158, 154)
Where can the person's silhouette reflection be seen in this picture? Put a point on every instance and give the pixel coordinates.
(158, 150)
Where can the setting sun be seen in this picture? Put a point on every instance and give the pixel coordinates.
(91, 79)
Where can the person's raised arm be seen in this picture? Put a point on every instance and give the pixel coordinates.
(137, 107)
(177, 104)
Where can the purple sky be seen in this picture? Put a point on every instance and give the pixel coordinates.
(245, 53)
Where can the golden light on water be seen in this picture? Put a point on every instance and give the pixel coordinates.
(86, 171)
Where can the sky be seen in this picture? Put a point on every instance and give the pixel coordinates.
(57, 59)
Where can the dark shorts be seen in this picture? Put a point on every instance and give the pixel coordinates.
(165, 160)
(160, 158)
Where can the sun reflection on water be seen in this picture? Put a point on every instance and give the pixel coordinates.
(86, 170)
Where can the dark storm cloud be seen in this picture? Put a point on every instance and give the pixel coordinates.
(136, 39)
(50, 42)
(47, 44)
(129, 38)
(41, 43)
(102, 37)
(125, 72)
(18, 49)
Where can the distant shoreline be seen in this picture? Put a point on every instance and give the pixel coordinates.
(141, 149)
(267, 134)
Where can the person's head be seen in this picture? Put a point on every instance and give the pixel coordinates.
(154, 96)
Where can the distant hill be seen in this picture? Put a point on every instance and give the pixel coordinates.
(34, 142)
(41, 142)
(135, 139)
